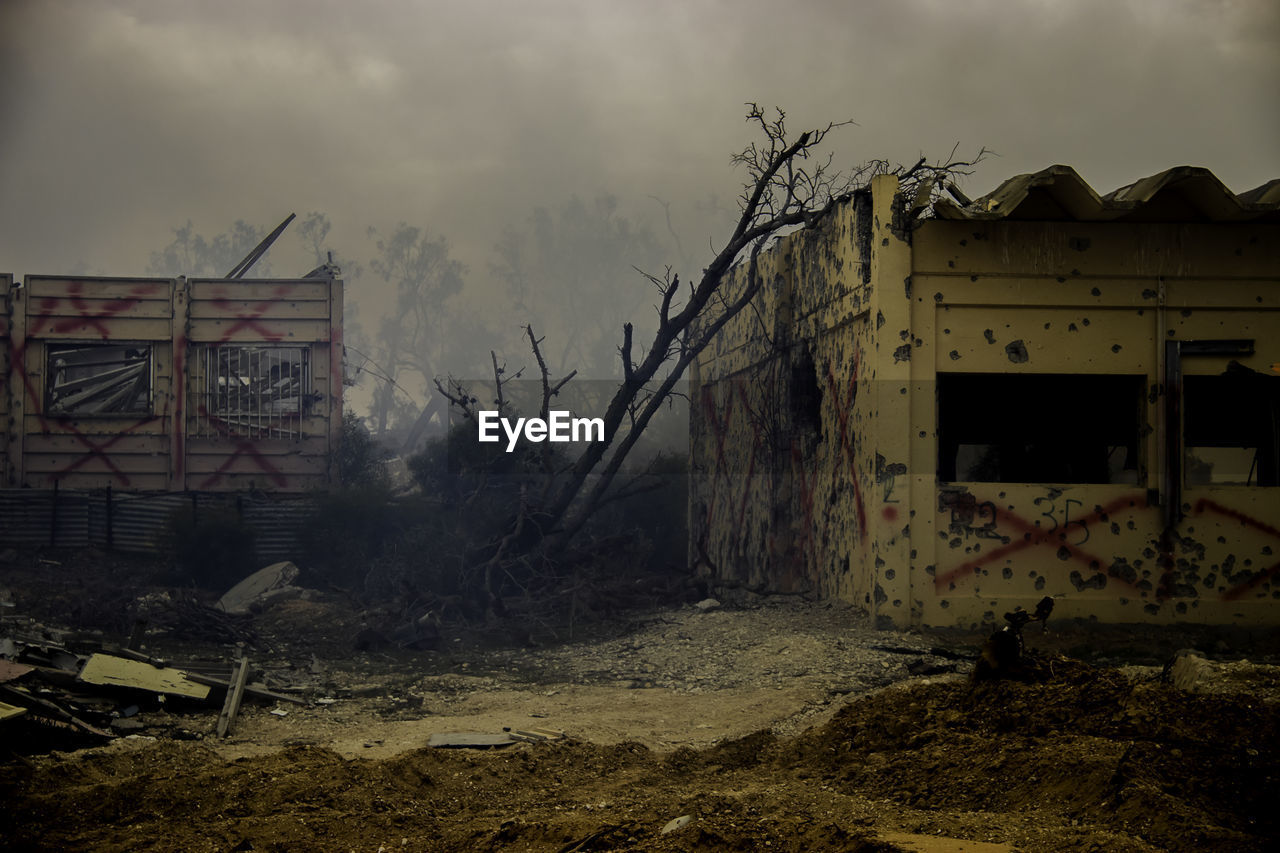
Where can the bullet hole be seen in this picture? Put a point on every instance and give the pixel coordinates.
(1181, 607)
(1222, 540)
(973, 278)
(1046, 326)
(1123, 600)
(903, 391)
(922, 433)
(902, 353)
(1085, 321)
(1186, 312)
(930, 570)
(955, 355)
(1210, 581)
(1116, 348)
(879, 320)
(1131, 525)
(1148, 553)
(906, 284)
(1075, 272)
(897, 602)
(964, 242)
(1151, 609)
(1122, 570)
(944, 604)
(880, 564)
(955, 543)
(1266, 549)
(1017, 352)
(889, 574)
(946, 331)
(1115, 529)
(1039, 583)
(1061, 280)
(1097, 581)
(1257, 299)
(951, 264)
(1007, 573)
(937, 297)
(884, 242)
(1148, 293)
(989, 335)
(913, 553)
(1095, 292)
(1071, 327)
(1064, 553)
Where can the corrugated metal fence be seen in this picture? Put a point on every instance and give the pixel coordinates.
(136, 523)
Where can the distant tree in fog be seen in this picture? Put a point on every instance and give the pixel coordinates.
(413, 337)
(570, 271)
(196, 256)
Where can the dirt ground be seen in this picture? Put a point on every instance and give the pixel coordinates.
(774, 724)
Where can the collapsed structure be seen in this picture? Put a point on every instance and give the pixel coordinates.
(943, 412)
(154, 386)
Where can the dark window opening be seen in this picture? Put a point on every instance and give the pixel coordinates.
(1040, 428)
(1231, 428)
(806, 395)
(98, 379)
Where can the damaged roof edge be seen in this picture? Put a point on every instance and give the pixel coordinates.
(1180, 194)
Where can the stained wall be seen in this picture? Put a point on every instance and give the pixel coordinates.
(908, 335)
(103, 386)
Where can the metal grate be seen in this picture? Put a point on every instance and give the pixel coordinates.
(251, 391)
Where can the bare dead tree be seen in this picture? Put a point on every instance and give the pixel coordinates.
(787, 185)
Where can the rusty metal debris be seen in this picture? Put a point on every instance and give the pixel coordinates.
(1004, 654)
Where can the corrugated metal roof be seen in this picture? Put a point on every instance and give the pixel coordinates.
(1180, 194)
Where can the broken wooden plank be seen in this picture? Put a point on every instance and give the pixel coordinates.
(231, 707)
(8, 712)
(122, 672)
(10, 670)
(258, 691)
(470, 740)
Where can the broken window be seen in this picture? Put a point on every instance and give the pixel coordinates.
(98, 379)
(1231, 428)
(806, 395)
(1040, 428)
(253, 391)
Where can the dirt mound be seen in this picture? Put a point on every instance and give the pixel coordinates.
(1185, 771)
(1085, 760)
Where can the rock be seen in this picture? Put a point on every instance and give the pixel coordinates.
(679, 823)
(707, 604)
(242, 597)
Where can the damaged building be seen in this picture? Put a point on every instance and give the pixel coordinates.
(945, 411)
(124, 397)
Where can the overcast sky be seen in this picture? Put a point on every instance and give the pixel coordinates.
(124, 118)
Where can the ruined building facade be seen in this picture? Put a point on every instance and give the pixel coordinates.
(942, 416)
(126, 398)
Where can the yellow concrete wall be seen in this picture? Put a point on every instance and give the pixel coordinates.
(1082, 298)
(859, 513)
